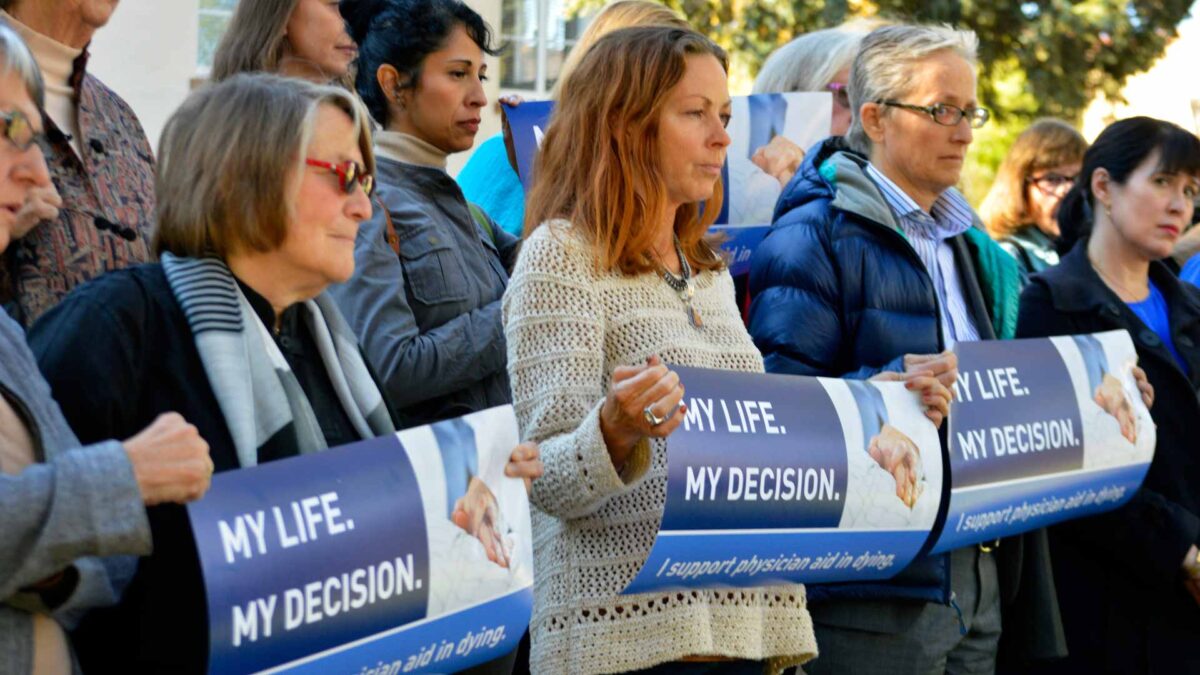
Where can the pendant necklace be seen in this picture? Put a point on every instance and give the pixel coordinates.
(682, 285)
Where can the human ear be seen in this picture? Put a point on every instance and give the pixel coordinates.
(871, 115)
(1102, 185)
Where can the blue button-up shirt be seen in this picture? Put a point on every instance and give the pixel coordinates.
(927, 233)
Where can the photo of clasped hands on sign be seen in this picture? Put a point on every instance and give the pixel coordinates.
(477, 516)
(1112, 391)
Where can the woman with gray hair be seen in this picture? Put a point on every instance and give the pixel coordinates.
(818, 61)
(62, 503)
(262, 182)
(886, 267)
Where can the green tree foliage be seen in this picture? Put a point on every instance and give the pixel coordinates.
(1037, 58)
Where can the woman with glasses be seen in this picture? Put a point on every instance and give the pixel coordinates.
(875, 268)
(430, 267)
(818, 61)
(1128, 581)
(61, 502)
(1021, 206)
(262, 183)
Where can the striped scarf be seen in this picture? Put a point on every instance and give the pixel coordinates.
(258, 394)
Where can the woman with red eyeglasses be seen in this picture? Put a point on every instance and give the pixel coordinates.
(262, 182)
(1021, 207)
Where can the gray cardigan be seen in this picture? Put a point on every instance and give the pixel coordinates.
(429, 318)
(81, 502)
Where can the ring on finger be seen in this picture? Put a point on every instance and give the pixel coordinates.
(652, 419)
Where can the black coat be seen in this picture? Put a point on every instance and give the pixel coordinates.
(118, 352)
(1124, 606)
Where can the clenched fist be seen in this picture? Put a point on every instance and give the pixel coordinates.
(170, 461)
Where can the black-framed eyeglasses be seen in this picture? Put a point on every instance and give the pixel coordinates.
(945, 114)
(15, 126)
(1052, 182)
(349, 174)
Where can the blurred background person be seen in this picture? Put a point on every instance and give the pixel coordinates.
(430, 268)
(223, 329)
(1021, 207)
(490, 178)
(296, 38)
(818, 61)
(1128, 580)
(615, 280)
(62, 503)
(99, 159)
(876, 267)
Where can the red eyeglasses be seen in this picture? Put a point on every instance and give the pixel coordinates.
(349, 174)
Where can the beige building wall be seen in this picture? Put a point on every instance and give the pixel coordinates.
(147, 54)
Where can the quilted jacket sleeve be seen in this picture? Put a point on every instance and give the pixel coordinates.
(797, 317)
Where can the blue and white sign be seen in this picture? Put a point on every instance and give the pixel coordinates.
(407, 553)
(1042, 431)
(764, 129)
(773, 478)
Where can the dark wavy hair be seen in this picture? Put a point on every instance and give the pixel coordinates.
(1120, 149)
(402, 33)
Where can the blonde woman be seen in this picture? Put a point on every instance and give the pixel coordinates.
(489, 179)
(1020, 209)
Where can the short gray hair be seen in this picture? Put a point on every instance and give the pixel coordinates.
(18, 59)
(809, 62)
(887, 61)
(226, 157)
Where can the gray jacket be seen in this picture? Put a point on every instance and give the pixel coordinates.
(80, 502)
(429, 318)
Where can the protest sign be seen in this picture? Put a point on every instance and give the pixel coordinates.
(777, 478)
(351, 559)
(773, 478)
(1043, 431)
(761, 124)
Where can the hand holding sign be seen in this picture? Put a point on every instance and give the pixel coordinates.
(935, 395)
(525, 462)
(636, 390)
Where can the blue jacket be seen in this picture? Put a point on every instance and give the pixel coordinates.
(839, 292)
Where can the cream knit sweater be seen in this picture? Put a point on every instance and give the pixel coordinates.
(567, 328)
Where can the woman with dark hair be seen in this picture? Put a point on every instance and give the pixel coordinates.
(430, 268)
(1129, 581)
(297, 38)
(1021, 207)
(617, 279)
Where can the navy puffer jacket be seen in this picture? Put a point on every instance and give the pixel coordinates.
(839, 292)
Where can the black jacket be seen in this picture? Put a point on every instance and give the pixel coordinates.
(1125, 609)
(117, 353)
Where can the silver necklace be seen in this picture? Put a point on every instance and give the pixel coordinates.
(682, 284)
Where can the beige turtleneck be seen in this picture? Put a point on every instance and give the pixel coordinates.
(57, 62)
(401, 147)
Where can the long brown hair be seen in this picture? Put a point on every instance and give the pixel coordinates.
(1047, 143)
(598, 166)
(255, 38)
